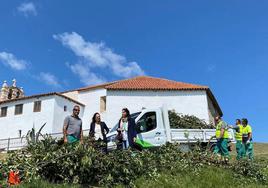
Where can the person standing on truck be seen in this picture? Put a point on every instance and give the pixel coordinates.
(222, 137)
(247, 139)
(127, 129)
(98, 131)
(240, 149)
(72, 127)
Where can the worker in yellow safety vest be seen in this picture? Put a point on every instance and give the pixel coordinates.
(247, 139)
(240, 149)
(222, 137)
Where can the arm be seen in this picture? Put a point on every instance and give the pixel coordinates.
(65, 126)
(222, 132)
(105, 128)
(119, 126)
(81, 135)
(91, 131)
(249, 136)
(249, 133)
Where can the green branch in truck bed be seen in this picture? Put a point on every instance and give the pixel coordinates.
(181, 121)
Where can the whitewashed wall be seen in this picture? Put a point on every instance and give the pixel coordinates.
(72, 94)
(59, 114)
(11, 124)
(91, 100)
(52, 113)
(212, 112)
(186, 102)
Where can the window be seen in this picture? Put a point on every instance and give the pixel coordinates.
(146, 123)
(103, 104)
(65, 108)
(3, 112)
(37, 106)
(18, 109)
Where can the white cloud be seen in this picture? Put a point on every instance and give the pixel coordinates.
(27, 9)
(10, 60)
(49, 79)
(98, 55)
(211, 68)
(86, 76)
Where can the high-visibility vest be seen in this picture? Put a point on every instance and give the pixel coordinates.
(245, 131)
(218, 131)
(238, 133)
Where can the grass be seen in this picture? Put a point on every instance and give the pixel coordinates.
(43, 184)
(210, 177)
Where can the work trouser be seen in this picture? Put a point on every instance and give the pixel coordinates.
(248, 150)
(71, 139)
(240, 149)
(222, 147)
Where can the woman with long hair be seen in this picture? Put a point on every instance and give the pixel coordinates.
(98, 130)
(126, 130)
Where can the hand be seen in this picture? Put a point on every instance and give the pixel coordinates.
(65, 140)
(134, 139)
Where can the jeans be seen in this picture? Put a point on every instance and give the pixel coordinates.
(125, 144)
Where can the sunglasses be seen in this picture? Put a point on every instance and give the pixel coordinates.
(77, 110)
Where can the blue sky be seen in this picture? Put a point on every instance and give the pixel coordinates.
(61, 45)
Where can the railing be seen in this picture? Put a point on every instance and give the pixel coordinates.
(194, 135)
(10, 144)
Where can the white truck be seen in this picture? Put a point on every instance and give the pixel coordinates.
(154, 130)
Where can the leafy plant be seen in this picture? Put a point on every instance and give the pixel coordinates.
(86, 164)
(186, 121)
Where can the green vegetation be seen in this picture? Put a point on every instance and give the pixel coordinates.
(210, 177)
(186, 121)
(66, 165)
(49, 163)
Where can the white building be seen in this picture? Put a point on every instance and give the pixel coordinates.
(20, 115)
(109, 99)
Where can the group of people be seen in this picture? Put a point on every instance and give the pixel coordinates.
(243, 136)
(126, 136)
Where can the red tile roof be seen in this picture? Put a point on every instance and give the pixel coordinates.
(150, 83)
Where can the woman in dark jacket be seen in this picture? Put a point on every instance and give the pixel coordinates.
(98, 130)
(127, 129)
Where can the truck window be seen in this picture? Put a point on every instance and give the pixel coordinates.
(146, 123)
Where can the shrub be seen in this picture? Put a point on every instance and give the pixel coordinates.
(186, 121)
(83, 164)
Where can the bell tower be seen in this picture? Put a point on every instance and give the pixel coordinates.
(10, 92)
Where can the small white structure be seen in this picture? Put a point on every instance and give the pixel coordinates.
(18, 116)
(108, 99)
